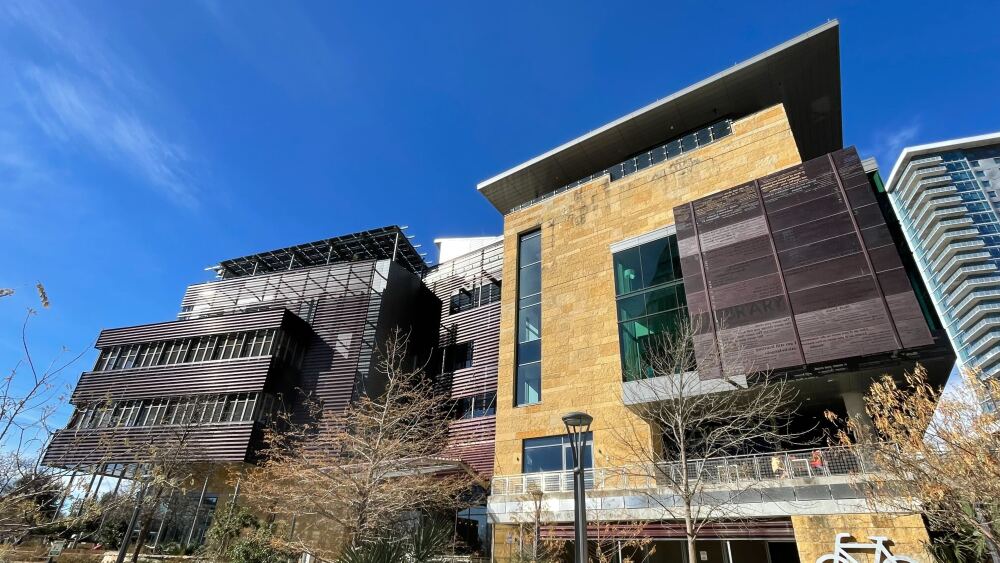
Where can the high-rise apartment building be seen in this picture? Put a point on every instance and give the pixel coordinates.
(945, 195)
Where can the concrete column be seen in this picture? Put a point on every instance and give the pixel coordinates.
(854, 403)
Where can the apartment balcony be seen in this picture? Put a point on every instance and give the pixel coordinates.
(951, 250)
(977, 330)
(922, 184)
(963, 290)
(771, 484)
(949, 237)
(993, 356)
(968, 322)
(945, 268)
(930, 220)
(973, 299)
(964, 272)
(941, 228)
(985, 342)
(913, 172)
(928, 197)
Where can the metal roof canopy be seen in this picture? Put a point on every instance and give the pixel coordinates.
(376, 244)
(803, 73)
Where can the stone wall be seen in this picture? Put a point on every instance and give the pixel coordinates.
(580, 352)
(814, 535)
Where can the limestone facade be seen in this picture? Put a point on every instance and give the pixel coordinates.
(580, 351)
(814, 535)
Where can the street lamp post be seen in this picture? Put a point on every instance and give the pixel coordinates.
(577, 426)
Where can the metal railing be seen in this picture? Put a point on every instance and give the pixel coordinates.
(717, 472)
(670, 150)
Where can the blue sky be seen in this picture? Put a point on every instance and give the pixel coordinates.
(143, 141)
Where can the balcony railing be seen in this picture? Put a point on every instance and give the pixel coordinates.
(721, 472)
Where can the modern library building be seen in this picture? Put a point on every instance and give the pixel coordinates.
(731, 205)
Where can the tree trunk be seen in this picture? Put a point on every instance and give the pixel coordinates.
(987, 536)
(689, 532)
(144, 531)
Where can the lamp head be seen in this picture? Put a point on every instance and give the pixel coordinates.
(578, 421)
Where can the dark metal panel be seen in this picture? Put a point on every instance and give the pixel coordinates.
(759, 271)
(472, 441)
(209, 442)
(225, 376)
(479, 325)
(171, 330)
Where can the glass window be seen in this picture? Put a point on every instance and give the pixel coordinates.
(463, 300)
(642, 161)
(104, 359)
(554, 453)
(458, 356)
(631, 307)
(721, 129)
(529, 319)
(490, 293)
(703, 137)
(529, 383)
(651, 300)
(476, 406)
(688, 143)
(627, 271)
(657, 261)
(673, 148)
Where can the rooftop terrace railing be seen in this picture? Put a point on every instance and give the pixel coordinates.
(673, 149)
(720, 472)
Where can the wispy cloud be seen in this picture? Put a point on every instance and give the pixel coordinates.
(282, 43)
(886, 144)
(82, 94)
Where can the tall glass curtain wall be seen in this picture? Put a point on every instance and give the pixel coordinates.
(555, 453)
(529, 319)
(975, 174)
(651, 301)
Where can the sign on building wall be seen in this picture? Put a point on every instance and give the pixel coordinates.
(795, 268)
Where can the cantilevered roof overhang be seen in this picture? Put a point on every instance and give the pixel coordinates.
(803, 74)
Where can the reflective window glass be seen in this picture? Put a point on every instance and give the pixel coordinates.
(627, 271)
(529, 383)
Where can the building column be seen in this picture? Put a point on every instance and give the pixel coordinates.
(854, 403)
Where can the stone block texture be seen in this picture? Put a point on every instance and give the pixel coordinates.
(581, 368)
(814, 535)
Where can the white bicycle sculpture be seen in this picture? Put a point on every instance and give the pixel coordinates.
(878, 547)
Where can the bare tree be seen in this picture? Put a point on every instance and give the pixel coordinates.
(356, 474)
(695, 421)
(30, 394)
(939, 452)
(168, 467)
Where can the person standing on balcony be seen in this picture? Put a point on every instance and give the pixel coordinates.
(816, 463)
(777, 467)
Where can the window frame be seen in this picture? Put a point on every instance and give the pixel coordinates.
(533, 300)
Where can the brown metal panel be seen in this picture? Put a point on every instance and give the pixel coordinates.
(479, 325)
(177, 380)
(189, 328)
(209, 442)
(818, 222)
(471, 440)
